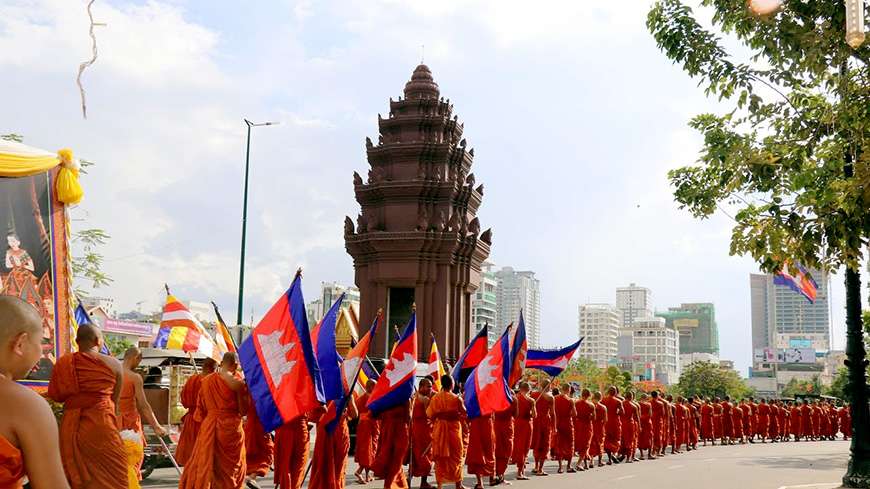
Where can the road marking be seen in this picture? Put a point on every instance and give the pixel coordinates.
(624, 477)
(823, 485)
(709, 460)
(672, 467)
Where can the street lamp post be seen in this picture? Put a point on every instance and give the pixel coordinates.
(245, 218)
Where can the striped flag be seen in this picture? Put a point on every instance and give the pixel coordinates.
(223, 338)
(436, 368)
(180, 330)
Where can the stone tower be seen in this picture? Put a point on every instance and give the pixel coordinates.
(417, 238)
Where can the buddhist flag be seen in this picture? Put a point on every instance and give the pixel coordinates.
(436, 368)
(180, 330)
(224, 340)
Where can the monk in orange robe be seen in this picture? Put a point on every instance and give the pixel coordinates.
(613, 430)
(845, 415)
(681, 424)
(543, 428)
(89, 386)
(659, 418)
(763, 420)
(367, 431)
(329, 461)
(806, 421)
(630, 423)
(707, 423)
(718, 427)
(28, 430)
(782, 420)
(749, 420)
(773, 420)
(737, 423)
(189, 424)
(815, 420)
(644, 439)
(393, 445)
(583, 429)
(421, 435)
(480, 457)
(292, 442)
(727, 421)
(259, 447)
(133, 404)
(795, 420)
(563, 448)
(596, 449)
(446, 411)
(218, 459)
(503, 425)
(523, 425)
(693, 423)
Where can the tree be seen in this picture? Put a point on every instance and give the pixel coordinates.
(791, 155)
(838, 385)
(118, 346)
(796, 386)
(706, 379)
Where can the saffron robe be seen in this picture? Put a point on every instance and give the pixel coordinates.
(563, 448)
(11, 465)
(806, 421)
(218, 459)
(596, 449)
(644, 439)
(189, 424)
(824, 422)
(782, 421)
(658, 422)
(583, 427)
(717, 421)
(393, 445)
(748, 416)
(845, 421)
(693, 424)
(681, 425)
(737, 414)
(291, 453)
(329, 461)
(543, 429)
(421, 441)
(481, 447)
(613, 429)
(630, 413)
(445, 411)
(795, 421)
(763, 427)
(259, 447)
(815, 419)
(503, 426)
(523, 425)
(773, 422)
(835, 424)
(727, 420)
(130, 418)
(91, 449)
(367, 433)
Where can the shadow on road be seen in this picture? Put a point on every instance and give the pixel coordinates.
(826, 462)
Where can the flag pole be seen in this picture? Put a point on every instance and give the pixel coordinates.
(221, 321)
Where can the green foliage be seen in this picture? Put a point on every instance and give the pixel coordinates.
(89, 264)
(796, 386)
(18, 138)
(839, 386)
(706, 379)
(118, 346)
(588, 375)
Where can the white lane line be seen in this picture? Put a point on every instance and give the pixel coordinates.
(823, 485)
(672, 467)
(625, 477)
(709, 460)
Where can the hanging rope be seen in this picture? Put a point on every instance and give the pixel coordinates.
(90, 61)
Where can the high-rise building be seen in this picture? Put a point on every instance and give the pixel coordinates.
(649, 349)
(783, 318)
(634, 303)
(330, 291)
(696, 324)
(516, 291)
(599, 326)
(484, 304)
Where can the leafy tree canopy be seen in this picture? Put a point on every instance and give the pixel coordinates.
(706, 379)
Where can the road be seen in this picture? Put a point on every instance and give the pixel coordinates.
(804, 465)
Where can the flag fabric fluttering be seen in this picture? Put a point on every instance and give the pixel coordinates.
(279, 364)
(798, 279)
(81, 317)
(180, 330)
(396, 383)
(519, 351)
(552, 362)
(436, 368)
(328, 360)
(473, 354)
(223, 338)
(486, 389)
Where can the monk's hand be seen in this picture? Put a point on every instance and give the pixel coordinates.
(160, 431)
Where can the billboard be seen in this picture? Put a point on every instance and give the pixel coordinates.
(800, 343)
(685, 323)
(784, 355)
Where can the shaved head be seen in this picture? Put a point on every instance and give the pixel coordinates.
(20, 337)
(209, 365)
(230, 359)
(17, 316)
(88, 336)
(131, 353)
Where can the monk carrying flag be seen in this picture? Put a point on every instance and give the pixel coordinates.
(421, 434)
(446, 411)
(189, 424)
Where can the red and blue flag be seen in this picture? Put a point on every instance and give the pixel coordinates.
(552, 362)
(486, 389)
(279, 364)
(471, 357)
(328, 360)
(396, 383)
(797, 279)
(519, 351)
(82, 317)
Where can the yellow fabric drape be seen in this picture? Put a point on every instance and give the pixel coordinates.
(16, 165)
(18, 160)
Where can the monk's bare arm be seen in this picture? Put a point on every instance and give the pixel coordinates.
(352, 412)
(38, 437)
(144, 407)
(534, 411)
(116, 367)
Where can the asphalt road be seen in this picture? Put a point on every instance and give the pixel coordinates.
(803, 465)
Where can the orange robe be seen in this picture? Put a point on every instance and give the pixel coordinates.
(543, 427)
(806, 421)
(523, 426)
(480, 458)
(763, 420)
(737, 421)
(11, 465)
(681, 425)
(503, 425)
(445, 411)
(845, 421)
(259, 448)
(598, 427)
(613, 429)
(795, 421)
(644, 439)
(693, 424)
(717, 421)
(815, 419)
(393, 446)
(727, 420)
(189, 424)
(563, 448)
(218, 459)
(367, 430)
(91, 449)
(749, 420)
(329, 461)
(421, 442)
(630, 411)
(773, 429)
(707, 421)
(583, 427)
(659, 419)
(130, 419)
(291, 453)
(782, 419)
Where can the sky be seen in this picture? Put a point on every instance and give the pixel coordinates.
(574, 114)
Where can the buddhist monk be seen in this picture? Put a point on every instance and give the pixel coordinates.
(806, 420)
(815, 417)
(503, 425)
(393, 445)
(658, 420)
(835, 421)
(845, 415)
(681, 424)
(543, 429)
(824, 421)
(737, 414)
(480, 457)
(563, 448)
(218, 459)
(421, 435)
(630, 424)
(782, 419)
(28, 430)
(692, 404)
(613, 429)
(763, 420)
(583, 429)
(523, 423)
(259, 447)
(795, 420)
(446, 411)
(292, 442)
(329, 461)
(189, 399)
(89, 386)
(367, 430)
(773, 421)
(645, 437)
(668, 427)
(133, 404)
(598, 428)
(749, 420)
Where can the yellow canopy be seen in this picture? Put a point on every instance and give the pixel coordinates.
(19, 160)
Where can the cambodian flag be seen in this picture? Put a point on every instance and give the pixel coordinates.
(552, 362)
(801, 281)
(487, 390)
(350, 371)
(328, 360)
(279, 363)
(519, 351)
(473, 354)
(396, 383)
